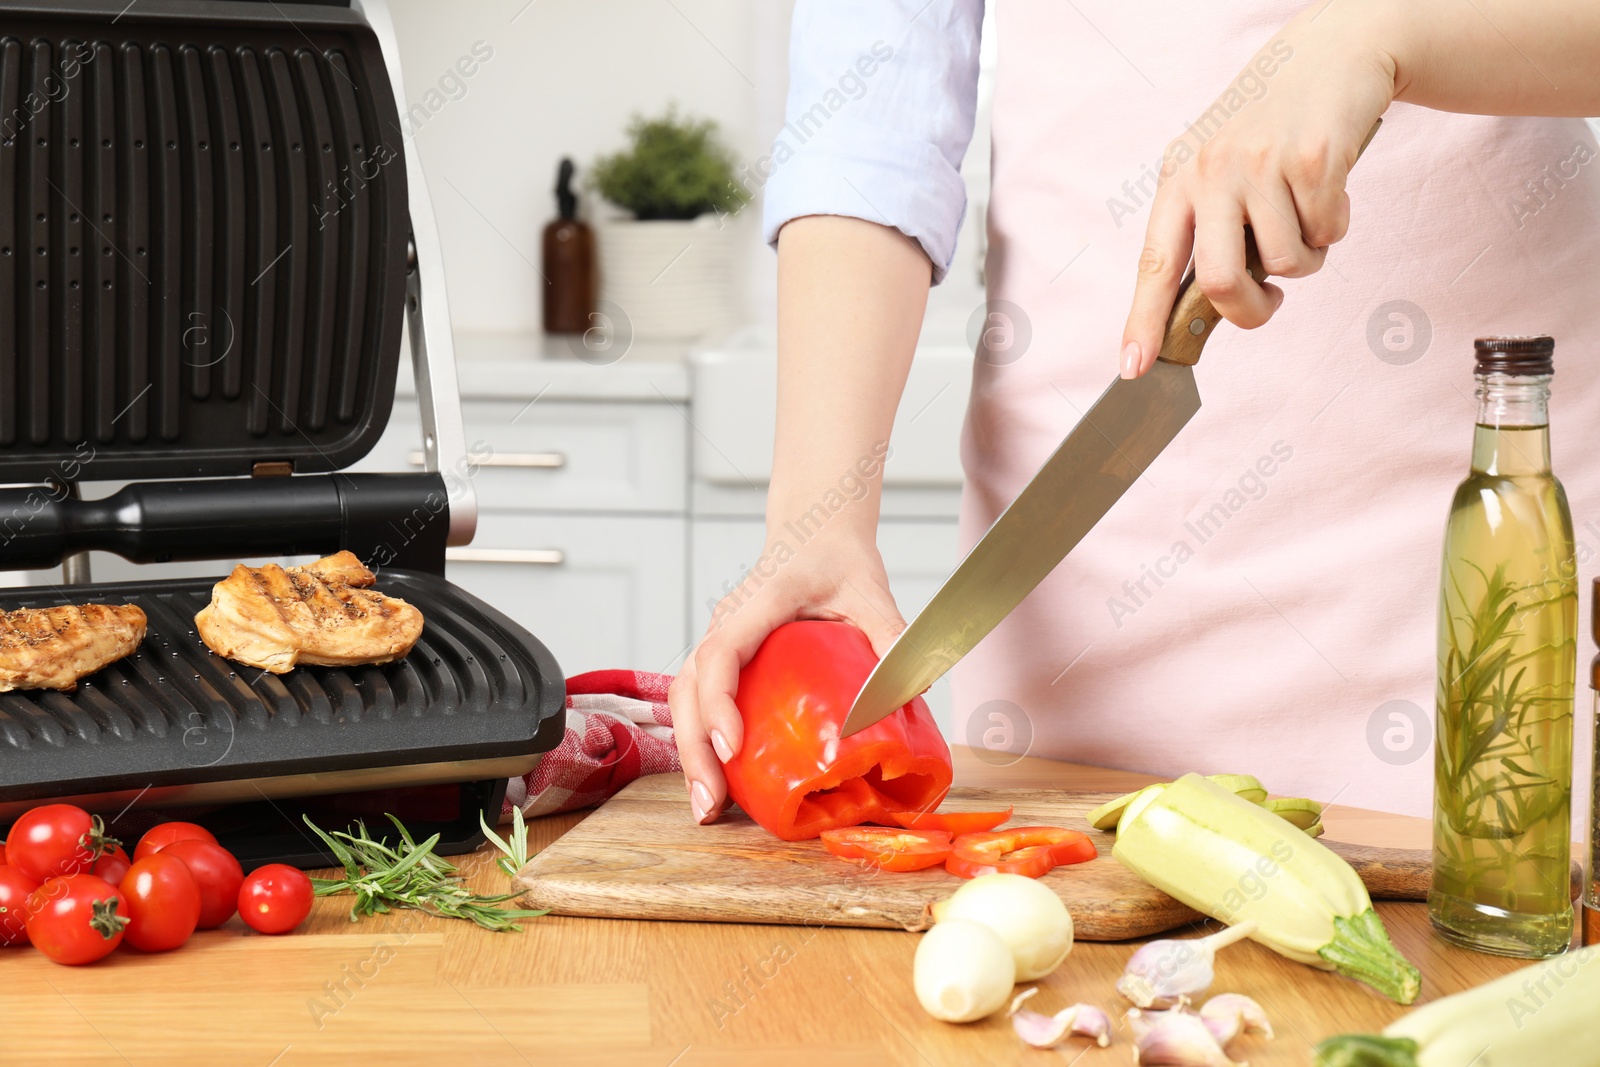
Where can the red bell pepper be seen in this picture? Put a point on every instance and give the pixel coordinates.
(794, 774)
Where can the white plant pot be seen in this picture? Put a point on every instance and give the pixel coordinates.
(672, 279)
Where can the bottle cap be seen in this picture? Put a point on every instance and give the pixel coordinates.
(1515, 355)
(566, 199)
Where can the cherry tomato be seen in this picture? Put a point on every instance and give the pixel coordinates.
(112, 866)
(15, 888)
(888, 849)
(954, 823)
(2, 854)
(163, 834)
(1026, 850)
(76, 919)
(57, 839)
(163, 903)
(275, 899)
(217, 874)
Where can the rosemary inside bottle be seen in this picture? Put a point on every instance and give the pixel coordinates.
(1507, 660)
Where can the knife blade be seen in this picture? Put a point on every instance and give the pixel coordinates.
(1105, 453)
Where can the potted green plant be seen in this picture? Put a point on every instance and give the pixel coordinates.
(669, 267)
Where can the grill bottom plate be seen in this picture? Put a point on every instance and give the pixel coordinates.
(478, 697)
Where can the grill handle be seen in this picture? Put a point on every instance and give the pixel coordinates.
(397, 520)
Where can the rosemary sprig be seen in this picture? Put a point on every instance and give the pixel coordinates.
(384, 878)
(516, 850)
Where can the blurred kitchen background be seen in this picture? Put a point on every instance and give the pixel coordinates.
(625, 465)
(657, 449)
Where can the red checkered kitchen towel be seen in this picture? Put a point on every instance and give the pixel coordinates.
(618, 729)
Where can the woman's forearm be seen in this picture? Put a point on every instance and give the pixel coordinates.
(851, 297)
(1484, 57)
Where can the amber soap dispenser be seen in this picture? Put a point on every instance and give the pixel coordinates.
(568, 255)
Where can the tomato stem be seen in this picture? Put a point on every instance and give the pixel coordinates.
(97, 841)
(105, 921)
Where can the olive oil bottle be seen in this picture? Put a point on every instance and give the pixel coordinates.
(1508, 606)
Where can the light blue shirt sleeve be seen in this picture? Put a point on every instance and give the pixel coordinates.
(882, 95)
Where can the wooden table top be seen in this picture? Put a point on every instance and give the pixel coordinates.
(411, 989)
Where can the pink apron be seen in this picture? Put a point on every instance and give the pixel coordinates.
(1264, 600)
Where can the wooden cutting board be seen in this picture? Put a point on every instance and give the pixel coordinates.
(640, 856)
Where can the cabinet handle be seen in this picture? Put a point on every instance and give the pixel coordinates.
(526, 460)
(544, 557)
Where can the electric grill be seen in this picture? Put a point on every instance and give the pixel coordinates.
(210, 232)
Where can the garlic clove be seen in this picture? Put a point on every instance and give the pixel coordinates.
(1039, 1030)
(1164, 974)
(1048, 1031)
(1228, 1015)
(1089, 1021)
(1177, 1038)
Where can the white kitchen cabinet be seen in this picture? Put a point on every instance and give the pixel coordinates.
(600, 591)
(539, 454)
(917, 555)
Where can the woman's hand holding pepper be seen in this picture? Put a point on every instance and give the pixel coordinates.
(838, 576)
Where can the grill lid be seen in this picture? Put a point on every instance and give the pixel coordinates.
(203, 249)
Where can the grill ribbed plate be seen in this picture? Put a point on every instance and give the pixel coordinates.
(203, 229)
(476, 686)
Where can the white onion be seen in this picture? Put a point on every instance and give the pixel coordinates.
(963, 971)
(1028, 916)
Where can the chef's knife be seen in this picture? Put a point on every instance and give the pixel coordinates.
(1105, 453)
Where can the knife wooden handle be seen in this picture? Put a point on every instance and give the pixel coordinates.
(1193, 317)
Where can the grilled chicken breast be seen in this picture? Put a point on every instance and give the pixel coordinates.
(51, 648)
(321, 613)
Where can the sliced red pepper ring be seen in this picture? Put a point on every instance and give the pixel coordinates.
(1026, 850)
(889, 849)
(952, 822)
